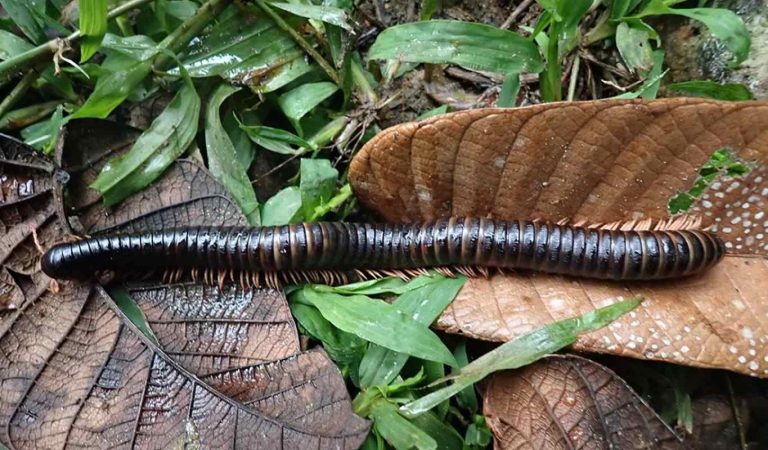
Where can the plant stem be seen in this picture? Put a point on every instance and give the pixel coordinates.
(23, 61)
(17, 92)
(329, 70)
(175, 41)
(574, 78)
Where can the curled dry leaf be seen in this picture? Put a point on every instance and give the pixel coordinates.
(563, 402)
(226, 370)
(599, 161)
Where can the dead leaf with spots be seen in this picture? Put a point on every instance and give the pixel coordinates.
(218, 369)
(599, 161)
(566, 402)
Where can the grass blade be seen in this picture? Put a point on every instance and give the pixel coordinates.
(327, 14)
(520, 352)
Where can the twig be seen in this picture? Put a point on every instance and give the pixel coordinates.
(574, 78)
(736, 415)
(17, 92)
(20, 63)
(525, 4)
(329, 70)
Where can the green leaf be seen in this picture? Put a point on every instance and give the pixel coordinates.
(634, 46)
(473, 45)
(244, 147)
(12, 45)
(28, 15)
(712, 89)
(327, 14)
(318, 182)
(277, 140)
(165, 140)
(619, 8)
(298, 102)
(445, 435)
(466, 398)
(112, 90)
(381, 323)
(222, 157)
(29, 114)
(282, 208)
(509, 90)
(345, 349)
(181, 9)
(138, 47)
(428, 8)
(249, 49)
(93, 26)
(379, 365)
(521, 351)
(398, 431)
(433, 112)
(724, 24)
(42, 135)
(388, 285)
(650, 86)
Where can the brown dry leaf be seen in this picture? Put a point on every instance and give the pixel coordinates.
(566, 402)
(598, 161)
(75, 371)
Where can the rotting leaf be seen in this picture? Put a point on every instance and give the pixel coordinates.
(594, 409)
(597, 161)
(225, 388)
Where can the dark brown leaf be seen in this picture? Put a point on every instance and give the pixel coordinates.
(75, 371)
(598, 161)
(567, 402)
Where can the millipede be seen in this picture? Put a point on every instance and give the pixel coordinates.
(334, 252)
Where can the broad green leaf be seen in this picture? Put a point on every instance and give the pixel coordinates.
(112, 90)
(433, 112)
(28, 15)
(379, 365)
(181, 9)
(318, 182)
(28, 115)
(446, 437)
(471, 45)
(712, 89)
(521, 351)
(634, 47)
(42, 135)
(327, 14)
(11, 45)
(619, 8)
(244, 147)
(398, 431)
(388, 285)
(277, 140)
(93, 26)
(244, 48)
(222, 157)
(158, 147)
(724, 24)
(381, 323)
(138, 47)
(298, 102)
(282, 208)
(345, 349)
(509, 89)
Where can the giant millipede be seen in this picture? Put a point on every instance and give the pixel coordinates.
(329, 251)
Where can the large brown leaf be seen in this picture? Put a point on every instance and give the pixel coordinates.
(75, 371)
(567, 402)
(597, 161)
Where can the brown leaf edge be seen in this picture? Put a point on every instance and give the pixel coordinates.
(78, 378)
(598, 161)
(566, 401)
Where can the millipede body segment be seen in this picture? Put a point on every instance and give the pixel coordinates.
(312, 248)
